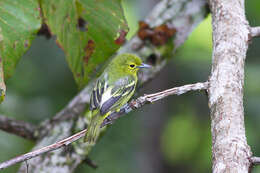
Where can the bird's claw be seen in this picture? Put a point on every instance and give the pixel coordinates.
(107, 121)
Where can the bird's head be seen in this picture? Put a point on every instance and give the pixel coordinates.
(129, 63)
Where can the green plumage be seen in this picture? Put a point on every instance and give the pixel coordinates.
(113, 89)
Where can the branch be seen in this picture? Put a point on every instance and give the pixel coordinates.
(255, 160)
(19, 128)
(230, 151)
(136, 104)
(43, 150)
(255, 31)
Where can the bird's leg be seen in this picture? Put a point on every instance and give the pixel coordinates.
(127, 108)
(106, 121)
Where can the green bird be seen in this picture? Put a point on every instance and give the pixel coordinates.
(113, 89)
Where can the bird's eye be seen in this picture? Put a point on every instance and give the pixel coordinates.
(132, 65)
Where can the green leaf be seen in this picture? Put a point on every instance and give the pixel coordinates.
(19, 21)
(89, 31)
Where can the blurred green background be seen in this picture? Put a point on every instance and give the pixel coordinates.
(172, 135)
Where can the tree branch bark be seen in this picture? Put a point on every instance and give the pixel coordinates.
(19, 128)
(230, 42)
(255, 160)
(184, 16)
(135, 104)
(43, 150)
(255, 31)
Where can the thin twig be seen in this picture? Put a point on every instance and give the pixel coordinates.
(43, 150)
(255, 160)
(134, 104)
(19, 128)
(255, 31)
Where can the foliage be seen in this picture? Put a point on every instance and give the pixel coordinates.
(19, 21)
(88, 31)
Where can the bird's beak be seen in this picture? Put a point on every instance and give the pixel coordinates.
(143, 65)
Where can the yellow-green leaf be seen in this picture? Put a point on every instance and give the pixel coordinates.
(89, 32)
(19, 21)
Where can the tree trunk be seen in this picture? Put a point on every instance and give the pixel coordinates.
(230, 42)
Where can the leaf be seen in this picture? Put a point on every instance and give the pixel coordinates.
(89, 31)
(19, 21)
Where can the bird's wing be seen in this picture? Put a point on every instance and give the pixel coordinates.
(120, 94)
(109, 98)
(96, 95)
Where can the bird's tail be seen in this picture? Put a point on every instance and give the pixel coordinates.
(93, 129)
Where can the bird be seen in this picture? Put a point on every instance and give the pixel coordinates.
(112, 90)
